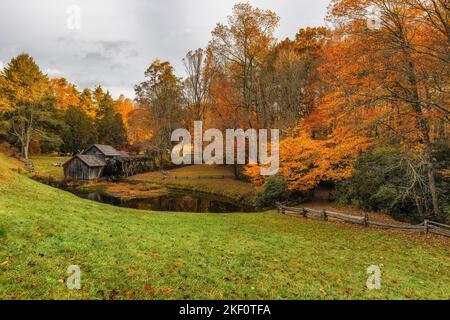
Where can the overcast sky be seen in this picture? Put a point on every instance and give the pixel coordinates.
(117, 39)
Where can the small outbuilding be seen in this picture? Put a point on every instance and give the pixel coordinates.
(84, 167)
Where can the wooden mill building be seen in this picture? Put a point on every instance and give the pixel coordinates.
(104, 152)
(92, 163)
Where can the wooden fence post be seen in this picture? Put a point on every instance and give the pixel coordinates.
(366, 219)
(426, 227)
(325, 215)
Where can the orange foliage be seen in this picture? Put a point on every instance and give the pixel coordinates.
(305, 161)
(226, 110)
(124, 106)
(139, 125)
(66, 93)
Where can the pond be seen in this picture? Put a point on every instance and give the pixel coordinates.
(173, 201)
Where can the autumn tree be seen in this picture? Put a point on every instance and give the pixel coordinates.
(26, 102)
(161, 93)
(405, 62)
(124, 106)
(240, 47)
(4, 108)
(140, 129)
(87, 104)
(307, 160)
(289, 83)
(224, 108)
(66, 94)
(197, 83)
(97, 96)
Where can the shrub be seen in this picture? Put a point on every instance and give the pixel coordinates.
(275, 189)
(381, 181)
(384, 199)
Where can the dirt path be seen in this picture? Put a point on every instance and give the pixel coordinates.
(321, 202)
(318, 204)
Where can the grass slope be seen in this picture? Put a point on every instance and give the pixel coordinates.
(135, 254)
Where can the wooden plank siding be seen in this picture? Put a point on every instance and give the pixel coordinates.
(78, 170)
(93, 151)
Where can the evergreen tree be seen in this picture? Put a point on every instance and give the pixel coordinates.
(110, 127)
(80, 131)
(26, 105)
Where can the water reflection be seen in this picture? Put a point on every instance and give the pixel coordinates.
(177, 202)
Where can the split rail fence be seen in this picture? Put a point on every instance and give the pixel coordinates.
(427, 227)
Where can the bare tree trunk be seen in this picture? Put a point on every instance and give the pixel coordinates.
(25, 149)
(24, 135)
(424, 129)
(431, 172)
(413, 99)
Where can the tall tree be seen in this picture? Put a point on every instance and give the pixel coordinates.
(240, 48)
(80, 130)
(140, 128)
(110, 127)
(289, 85)
(197, 83)
(124, 106)
(66, 94)
(87, 103)
(25, 98)
(162, 95)
(402, 67)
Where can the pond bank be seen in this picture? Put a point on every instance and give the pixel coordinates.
(151, 196)
(172, 201)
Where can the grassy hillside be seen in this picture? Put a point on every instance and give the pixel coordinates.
(135, 254)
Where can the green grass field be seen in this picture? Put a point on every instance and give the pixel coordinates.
(128, 254)
(44, 166)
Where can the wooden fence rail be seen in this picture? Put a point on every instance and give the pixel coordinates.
(425, 227)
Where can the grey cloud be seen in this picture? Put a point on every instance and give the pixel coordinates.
(117, 66)
(118, 38)
(114, 47)
(132, 54)
(66, 39)
(96, 57)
